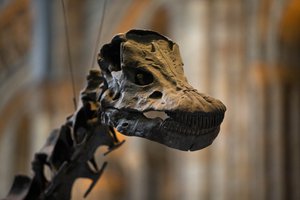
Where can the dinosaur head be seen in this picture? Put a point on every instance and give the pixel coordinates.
(148, 95)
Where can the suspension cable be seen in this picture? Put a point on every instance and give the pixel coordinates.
(69, 54)
(99, 34)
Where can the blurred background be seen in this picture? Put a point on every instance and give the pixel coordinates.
(243, 52)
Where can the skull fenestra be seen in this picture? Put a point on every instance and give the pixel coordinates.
(144, 73)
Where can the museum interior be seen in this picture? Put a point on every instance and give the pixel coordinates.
(244, 52)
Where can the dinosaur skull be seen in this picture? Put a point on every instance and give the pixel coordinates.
(148, 95)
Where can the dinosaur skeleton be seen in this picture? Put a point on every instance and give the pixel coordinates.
(141, 91)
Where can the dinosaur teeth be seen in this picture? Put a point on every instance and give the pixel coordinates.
(175, 127)
(197, 120)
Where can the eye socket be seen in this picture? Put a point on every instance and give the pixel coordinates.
(140, 76)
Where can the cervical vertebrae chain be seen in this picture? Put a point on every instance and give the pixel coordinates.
(69, 151)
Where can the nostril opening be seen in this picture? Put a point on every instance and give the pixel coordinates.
(156, 95)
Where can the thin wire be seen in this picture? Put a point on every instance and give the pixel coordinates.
(99, 33)
(69, 54)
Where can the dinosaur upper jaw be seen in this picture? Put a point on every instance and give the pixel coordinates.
(180, 130)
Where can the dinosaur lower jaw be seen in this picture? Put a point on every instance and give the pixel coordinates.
(178, 140)
(183, 131)
(187, 138)
(188, 131)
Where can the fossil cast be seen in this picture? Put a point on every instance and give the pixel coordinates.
(140, 90)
